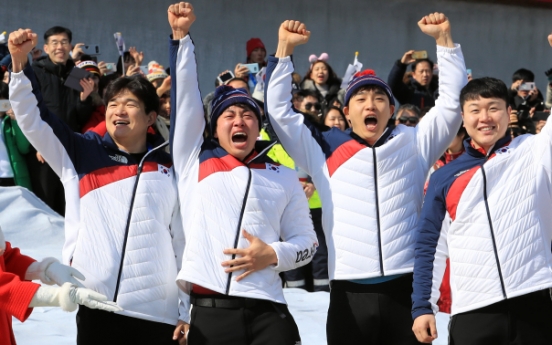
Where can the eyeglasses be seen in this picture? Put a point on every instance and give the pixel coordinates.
(410, 119)
(316, 106)
(63, 43)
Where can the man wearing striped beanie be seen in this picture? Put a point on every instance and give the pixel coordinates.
(370, 182)
(246, 218)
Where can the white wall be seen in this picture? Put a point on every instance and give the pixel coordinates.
(496, 39)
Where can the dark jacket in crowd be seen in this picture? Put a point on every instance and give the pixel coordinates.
(516, 102)
(333, 89)
(412, 92)
(60, 99)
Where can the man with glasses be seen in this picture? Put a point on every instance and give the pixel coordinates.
(72, 106)
(309, 104)
(408, 115)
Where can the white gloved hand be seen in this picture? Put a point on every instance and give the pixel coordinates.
(61, 274)
(51, 272)
(69, 296)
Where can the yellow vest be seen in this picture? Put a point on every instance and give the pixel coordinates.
(279, 155)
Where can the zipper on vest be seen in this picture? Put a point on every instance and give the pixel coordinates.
(238, 229)
(127, 229)
(492, 232)
(378, 211)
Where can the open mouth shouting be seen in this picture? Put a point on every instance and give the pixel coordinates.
(371, 122)
(239, 138)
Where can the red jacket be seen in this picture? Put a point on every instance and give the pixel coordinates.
(15, 293)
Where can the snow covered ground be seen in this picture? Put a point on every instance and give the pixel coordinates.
(30, 225)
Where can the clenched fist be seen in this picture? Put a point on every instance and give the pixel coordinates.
(181, 17)
(20, 43)
(291, 34)
(437, 26)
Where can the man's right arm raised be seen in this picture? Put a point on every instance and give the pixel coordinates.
(301, 140)
(187, 118)
(55, 141)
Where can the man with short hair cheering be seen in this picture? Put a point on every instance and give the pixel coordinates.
(122, 226)
(488, 211)
(370, 183)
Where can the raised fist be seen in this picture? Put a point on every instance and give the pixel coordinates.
(435, 25)
(20, 43)
(181, 17)
(294, 33)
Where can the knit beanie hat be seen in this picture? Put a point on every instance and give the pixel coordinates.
(253, 44)
(364, 78)
(226, 96)
(90, 66)
(156, 71)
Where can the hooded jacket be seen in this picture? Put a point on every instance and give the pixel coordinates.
(221, 196)
(122, 226)
(61, 100)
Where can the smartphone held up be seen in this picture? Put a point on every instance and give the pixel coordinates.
(91, 49)
(224, 77)
(419, 55)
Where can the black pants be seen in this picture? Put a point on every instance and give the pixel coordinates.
(523, 320)
(101, 327)
(319, 263)
(46, 184)
(264, 323)
(371, 314)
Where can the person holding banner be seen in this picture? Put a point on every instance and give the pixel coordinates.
(370, 182)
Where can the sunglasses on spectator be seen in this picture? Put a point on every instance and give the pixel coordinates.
(410, 119)
(316, 106)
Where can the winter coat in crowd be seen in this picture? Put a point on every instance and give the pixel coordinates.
(17, 146)
(15, 293)
(517, 101)
(60, 99)
(412, 92)
(333, 89)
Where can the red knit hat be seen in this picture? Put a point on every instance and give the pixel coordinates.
(253, 44)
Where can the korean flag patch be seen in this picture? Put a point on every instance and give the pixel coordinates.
(273, 167)
(164, 170)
